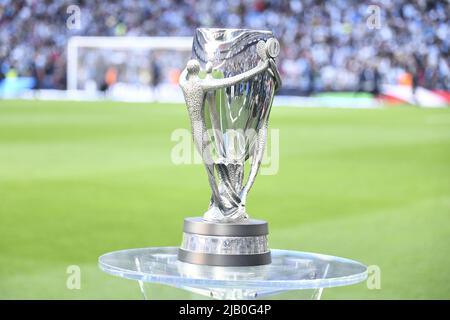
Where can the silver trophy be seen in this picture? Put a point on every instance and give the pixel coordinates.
(229, 86)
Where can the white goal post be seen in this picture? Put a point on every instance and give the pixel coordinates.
(75, 44)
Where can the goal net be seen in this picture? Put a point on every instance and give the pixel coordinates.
(128, 68)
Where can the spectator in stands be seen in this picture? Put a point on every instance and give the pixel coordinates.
(325, 44)
(109, 79)
(2, 75)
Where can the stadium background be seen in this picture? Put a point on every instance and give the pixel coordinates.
(78, 179)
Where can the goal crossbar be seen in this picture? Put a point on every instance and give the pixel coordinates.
(151, 43)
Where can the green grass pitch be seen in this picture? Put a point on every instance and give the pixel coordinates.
(81, 179)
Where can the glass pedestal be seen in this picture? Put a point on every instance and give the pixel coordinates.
(291, 275)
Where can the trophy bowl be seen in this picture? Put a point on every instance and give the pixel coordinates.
(229, 85)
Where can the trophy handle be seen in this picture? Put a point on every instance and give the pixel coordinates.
(267, 51)
(273, 70)
(212, 84)
(256, 160)
(194, 95)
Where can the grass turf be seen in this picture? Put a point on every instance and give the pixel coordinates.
(81, 179)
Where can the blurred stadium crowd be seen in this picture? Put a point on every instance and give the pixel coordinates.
(326, 45)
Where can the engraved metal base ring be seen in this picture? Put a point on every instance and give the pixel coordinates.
(224, 244)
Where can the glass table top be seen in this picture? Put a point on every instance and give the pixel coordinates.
(289, 270)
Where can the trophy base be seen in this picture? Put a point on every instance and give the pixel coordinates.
(225, 244)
